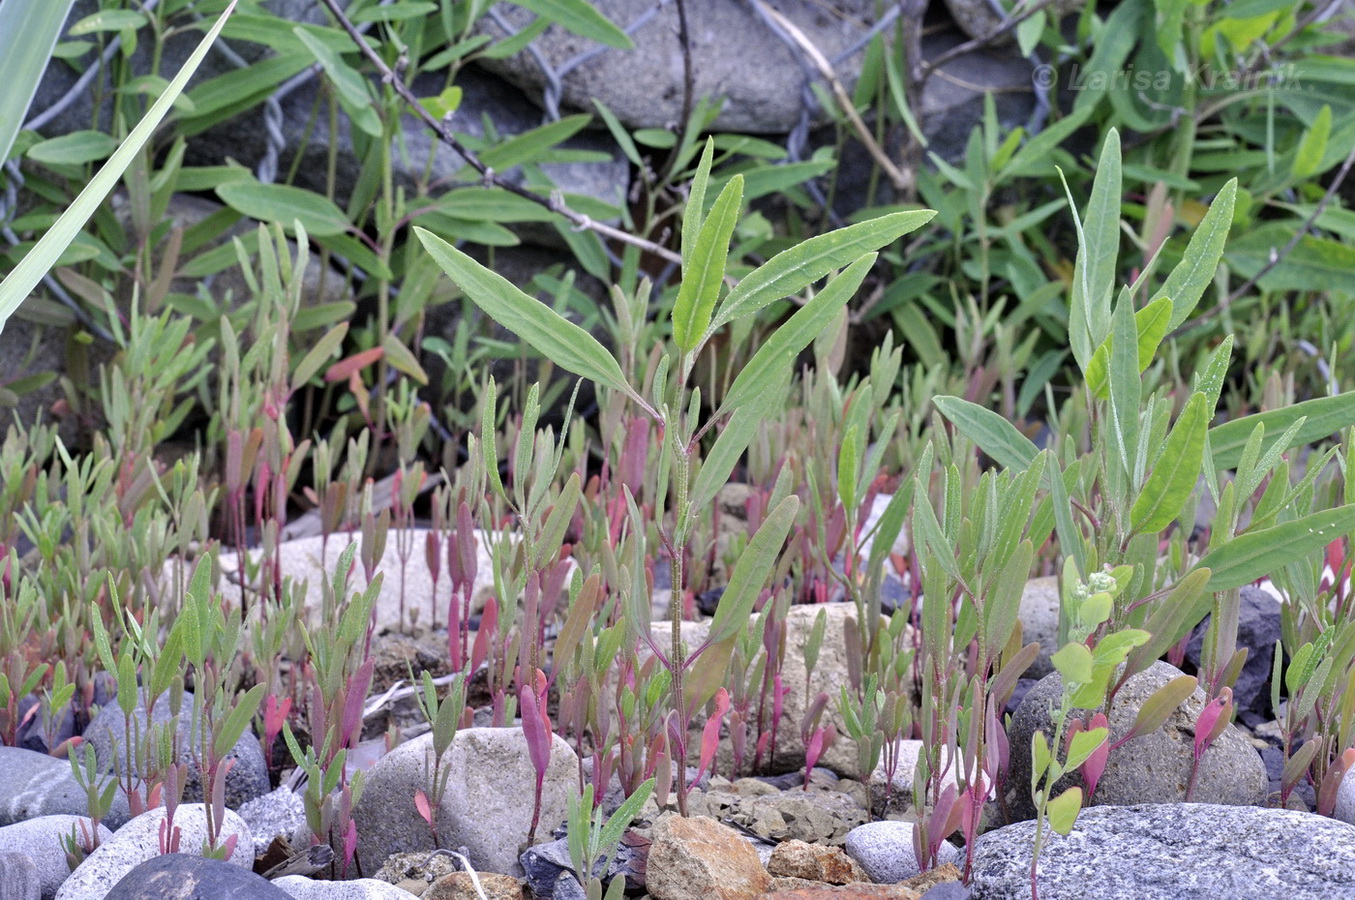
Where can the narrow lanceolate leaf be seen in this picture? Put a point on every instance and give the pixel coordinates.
(733, 439)
(696, 203)
(26, 275)
(1325, 417)
(775, 357)
(318, 355)
(1098, 249)
(994, 435)
(1193, 275)
(28, 31)
(1152, 322)
(559, 340)
(750, 574)
(705, 270)
(1173, 478)
(1126, 386)
(792, 270)
(1258, 554)
(583, 19)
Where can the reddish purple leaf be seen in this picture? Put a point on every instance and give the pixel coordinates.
(421, 805)
(1213, 719)
(710, 735)
(1095, 764)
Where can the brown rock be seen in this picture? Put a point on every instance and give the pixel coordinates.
(458, 886)
(700, 859)
(846, 892)
(815, 862)
(942, 873)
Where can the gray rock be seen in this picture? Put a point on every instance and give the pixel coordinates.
(486, 806)
(735, 56)
(139, 840)
(1154, 768)
(36, 784)
(40, 840)
(544, 863)
(280, 812)
(1345, 801)
(19, 878)
(885, 851)
(179, 876)
(1174, 851)
(302, 888)
(979, 19)
(1039, 614)
(947, 890)
(1258, 628)
(247, 779)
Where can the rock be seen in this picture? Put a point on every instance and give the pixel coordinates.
(813, 816)
(543, 864)
(179, 876)
(485, 808)
(700, 859)
(300, 887)
(40, 841)
(139, 840)
(1154, 768)
(422, 866)
(900, 793)
(1258, 628)
(309, 558)
(247, 779)
(885, 851)
(844, 892)
(814, 862)
(1039, 614)
(735, 57)
(459, 886)
(36, 784)
(19, 878)
(1173, 851)
(279, 812)
(1344, 810)
(979, 19)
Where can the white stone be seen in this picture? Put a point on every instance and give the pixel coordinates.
(139, 840)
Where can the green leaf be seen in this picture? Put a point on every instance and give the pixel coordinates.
(1258, 554)
(39, 260)
(354, 92)
(1313, 146)
(1083, 745)
(704, 270)
(238, 720)
(1173, 478)
(1074, 663)
(1324, 417)
(695, 210)
(1173, 617)
(776, 356)
(1063, 810)
(74, 149)
(1315, 264)
(733, 439)
(1153, 322)
(1125, 385)
(751, 572)
(402, 358)
(1162, 703)
(285, 205)
(108, 20)
(318, 355)
(561, 341)
(529, 145)
(581, 18)
(790, 271)
(994, 435)
(1193, 275)
(1098, 250)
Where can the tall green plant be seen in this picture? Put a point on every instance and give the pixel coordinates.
(701, 309)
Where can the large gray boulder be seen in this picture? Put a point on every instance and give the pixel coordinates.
(1174, 851)
(36, 784)
(486, 806)
(40, 840)
(139, 840)
(1153, 768)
